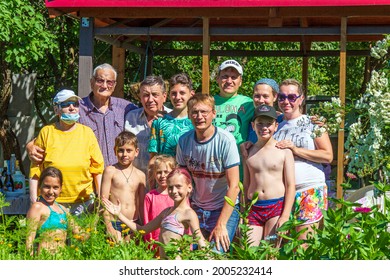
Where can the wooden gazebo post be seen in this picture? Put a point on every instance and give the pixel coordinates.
(342, 82)
(85, 55)
(206, 56)
(118, 62)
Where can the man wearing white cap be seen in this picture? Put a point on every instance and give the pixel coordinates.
(234, 111)
(72, 148)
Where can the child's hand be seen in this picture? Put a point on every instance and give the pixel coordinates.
(111, 207)
(281, 221)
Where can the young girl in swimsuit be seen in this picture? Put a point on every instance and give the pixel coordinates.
(46, 218)
(173, 220)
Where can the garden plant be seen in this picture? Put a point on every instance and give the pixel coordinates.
(349, 232)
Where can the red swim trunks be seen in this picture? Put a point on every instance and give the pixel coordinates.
(263, 210)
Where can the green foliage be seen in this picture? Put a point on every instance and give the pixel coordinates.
(23, 35)
(349, 232)
(182, 249)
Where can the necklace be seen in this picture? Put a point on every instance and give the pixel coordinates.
(127, 178)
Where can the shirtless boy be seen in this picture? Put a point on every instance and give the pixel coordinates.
(269, 172)
(125, 182)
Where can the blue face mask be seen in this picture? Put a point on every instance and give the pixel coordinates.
(70, 118)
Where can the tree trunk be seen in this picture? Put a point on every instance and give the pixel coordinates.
(8, 139)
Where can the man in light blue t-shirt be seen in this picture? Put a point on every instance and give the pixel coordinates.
(211, 155)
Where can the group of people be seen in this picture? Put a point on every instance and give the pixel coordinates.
(168, 171)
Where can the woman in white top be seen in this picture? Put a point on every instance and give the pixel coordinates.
(295, 133)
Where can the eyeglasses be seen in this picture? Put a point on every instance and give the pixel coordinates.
(101, 82)
(204, 114)
(68, 103)
(290, 97)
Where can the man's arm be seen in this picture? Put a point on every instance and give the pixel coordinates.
(220, 232)
(35, 153)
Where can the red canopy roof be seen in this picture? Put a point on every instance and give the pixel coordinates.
(230, 20)
(210, 3)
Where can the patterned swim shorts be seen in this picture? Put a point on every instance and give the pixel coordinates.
(309, 203)
(263, 210)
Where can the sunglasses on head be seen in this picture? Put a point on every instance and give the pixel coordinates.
(290, 97)
(66, 104)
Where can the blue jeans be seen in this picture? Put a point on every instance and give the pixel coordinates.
(208, 219)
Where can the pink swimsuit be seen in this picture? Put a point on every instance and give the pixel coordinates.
(170, 223)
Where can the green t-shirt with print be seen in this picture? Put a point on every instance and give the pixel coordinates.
(234, 114)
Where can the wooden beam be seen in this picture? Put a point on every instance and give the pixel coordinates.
(342, 87)
(305, 75)
(274, 19)
(229, 12)
(159, 24)
(120, 44)
(86, 55)
(305, 46)
(206, 57)
(242, 31)
(214, 53)
(118, 62)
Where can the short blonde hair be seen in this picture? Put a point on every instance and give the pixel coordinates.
(201, 98)
(170, 161)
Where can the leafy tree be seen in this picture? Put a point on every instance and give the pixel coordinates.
(24, 40)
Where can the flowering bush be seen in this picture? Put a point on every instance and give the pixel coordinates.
(330, 114)
(368, 139)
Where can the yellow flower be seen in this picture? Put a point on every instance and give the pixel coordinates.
(142, 231)
(57, 239)
(10, 245)
(123, 226)
(125, 231)
(78, 237)
(110, 242)
(88, 230)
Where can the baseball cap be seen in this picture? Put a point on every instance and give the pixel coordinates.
(264, 111)
(272, 83)
(64, 95)
(231, 63)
